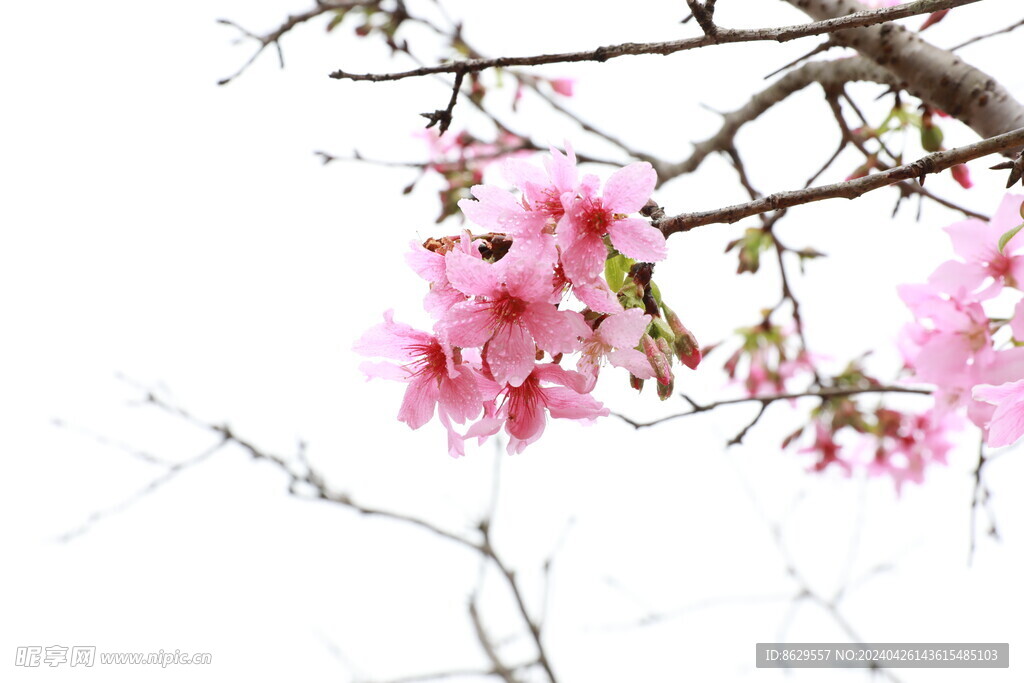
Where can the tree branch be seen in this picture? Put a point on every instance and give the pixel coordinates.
(721, 36)
(829, 74)
(937, 76)
(851, 189)
(824, 394)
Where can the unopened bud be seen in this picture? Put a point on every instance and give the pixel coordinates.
(934, 18)
(636, 383)
(931, 138)
(962, 176)
(665, 348)
(730, 365)
(659, 362)
(665, 390)
(687, 350)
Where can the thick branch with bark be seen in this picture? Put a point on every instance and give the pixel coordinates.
(937, 76)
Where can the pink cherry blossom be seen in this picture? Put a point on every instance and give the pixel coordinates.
(543, 189)
(435, 374)
(826, 449)
(429, 264)
(951, 336)
(976, 242)
(1007, 422)
(615, 339)
(588, 218)
(511, 313)
(911, 442)
(498, 210)
(548, 389)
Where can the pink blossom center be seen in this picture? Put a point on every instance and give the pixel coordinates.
(508, 309)
(524, 399)
(551, 204)
(429, 360)
(596, 218)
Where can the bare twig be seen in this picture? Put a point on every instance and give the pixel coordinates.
(500, 669)
(513, 584)
(975, 39)
(274, 37)
(722, 36)
(172, 471)
(933, 163)
(825, 393)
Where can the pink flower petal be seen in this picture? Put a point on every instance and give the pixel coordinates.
(555, 331)
(510, 354)
(460, 396)
(562, 169)
(596, 295)
(1006, 218)
(635, 361)
(566, 403)
(1010, 391)
(623, 330)
(391, 340)
(419, 401)
(629, 188)
(471, 276)
(382, 370)
(427, 264)
(638, 239)
(584, 259)
(470, 323)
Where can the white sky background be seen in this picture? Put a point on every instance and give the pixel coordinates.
(184, 235)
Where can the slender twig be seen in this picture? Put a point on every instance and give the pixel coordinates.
(851, 189)
(826, 393)
(975, 39)
(274, 37)
(824, 47)
(500, 669)
(721, 36)
(172, 471)
(513, 584)
(980, 499)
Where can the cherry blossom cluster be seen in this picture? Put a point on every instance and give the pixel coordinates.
(562, 268)
(957, 342)
(768, 360)
(885, 442)
(973, 357)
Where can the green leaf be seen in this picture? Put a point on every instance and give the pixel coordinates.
(615, 270)
(1007, 236)
(339, 16)
(656, 293)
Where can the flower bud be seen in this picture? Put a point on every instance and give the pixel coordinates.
(659, 362)
(665, 390)
(687, 350)
(934, 18)
(931, 138)
(962, 176)
(665, 349)
(636, 383)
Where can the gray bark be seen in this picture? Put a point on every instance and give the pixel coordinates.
(937, 76)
